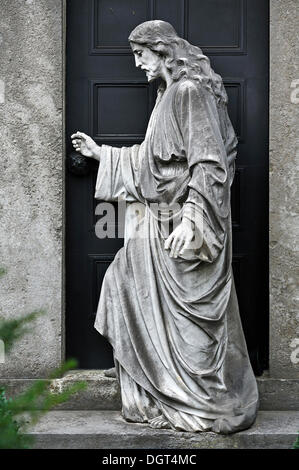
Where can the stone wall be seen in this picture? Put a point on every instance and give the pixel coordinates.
(284, 162)
(31, 200)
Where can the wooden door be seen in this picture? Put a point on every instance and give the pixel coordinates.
(109, 99)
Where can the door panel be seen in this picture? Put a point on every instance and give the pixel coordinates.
(109, 99)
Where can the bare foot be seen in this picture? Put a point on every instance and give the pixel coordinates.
(159, 423)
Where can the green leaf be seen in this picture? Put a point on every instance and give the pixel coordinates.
(12, 330)
(17, 414)
(2, 271)
(296, 443)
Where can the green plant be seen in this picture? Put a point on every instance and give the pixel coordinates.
(12, 330)
(2, 271)
(24, 410)
(10, 435)
(296, 443)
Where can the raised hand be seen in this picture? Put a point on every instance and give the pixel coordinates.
(85, 145)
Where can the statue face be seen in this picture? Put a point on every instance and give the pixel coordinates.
(148, 61)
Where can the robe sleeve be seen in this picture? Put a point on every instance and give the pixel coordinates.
(208, 202)
(117, 176)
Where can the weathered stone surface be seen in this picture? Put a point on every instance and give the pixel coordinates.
(102, 392)
(31, 115)
(278, 394)
(284, 260)
(180, 331)
(107, 430)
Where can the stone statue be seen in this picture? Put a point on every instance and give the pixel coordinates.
(170, 311)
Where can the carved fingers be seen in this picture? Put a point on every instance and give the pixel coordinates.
(79, 135)
(77, 140)
(84, 144)
(179, 240)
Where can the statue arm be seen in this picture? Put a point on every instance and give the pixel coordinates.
(118, 168)
(117, 176)
(84, 144)
(208, 198)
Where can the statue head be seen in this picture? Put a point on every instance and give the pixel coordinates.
(154, 34)
(149, 44)
(161, 47)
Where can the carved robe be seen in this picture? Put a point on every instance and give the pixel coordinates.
(174, 323)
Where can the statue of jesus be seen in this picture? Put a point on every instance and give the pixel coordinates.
(169, 308)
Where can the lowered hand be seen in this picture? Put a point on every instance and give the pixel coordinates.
(179, 240)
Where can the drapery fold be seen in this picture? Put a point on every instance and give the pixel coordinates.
(174, 324)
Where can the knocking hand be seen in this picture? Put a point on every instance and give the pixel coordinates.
(85, 145)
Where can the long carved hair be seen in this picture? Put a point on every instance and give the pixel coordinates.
(181, 58)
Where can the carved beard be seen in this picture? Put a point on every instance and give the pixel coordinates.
(153, 72)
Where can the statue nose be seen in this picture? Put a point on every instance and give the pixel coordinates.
(137, 62)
